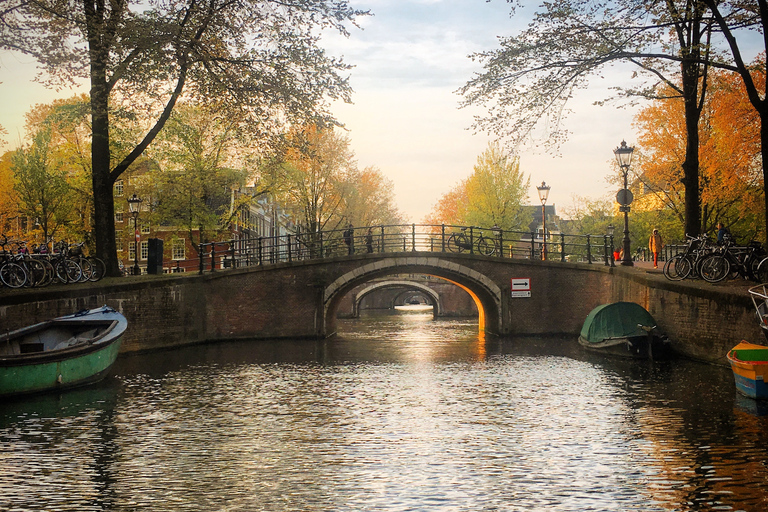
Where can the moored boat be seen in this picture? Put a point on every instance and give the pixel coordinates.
(749, 363)
(624, 329)
(65, 352)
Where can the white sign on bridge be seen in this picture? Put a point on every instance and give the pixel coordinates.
(521, 287)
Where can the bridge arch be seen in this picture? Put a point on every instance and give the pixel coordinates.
(484, 291)
(426, 290)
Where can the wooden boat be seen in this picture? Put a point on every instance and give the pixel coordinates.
(750, 367)
(65, 352)
(624, 329)
(759, 296)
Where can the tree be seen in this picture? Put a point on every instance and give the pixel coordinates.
(8, 200)
(729, 185)
(193, 187)
(531, 78)
(259, 59)
(41, 186)
(315, 171)
(493, 195)
(732, 18)
(370, 199)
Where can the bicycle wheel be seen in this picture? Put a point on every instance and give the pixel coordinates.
(486, 246)
(50, 273)
(98, 268)
(87, 269)
(13, 275)
(762, 271)
(68, 271)
(677, 268)
(36, 272)
(715, 268)
(457, 242)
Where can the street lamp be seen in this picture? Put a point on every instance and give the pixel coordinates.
(134, 205)
(624, 197)
(543, 195)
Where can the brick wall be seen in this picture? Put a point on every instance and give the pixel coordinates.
(285, 301)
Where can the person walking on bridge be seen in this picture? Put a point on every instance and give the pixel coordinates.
(655, 244)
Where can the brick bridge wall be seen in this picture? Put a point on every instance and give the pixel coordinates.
(300, 300)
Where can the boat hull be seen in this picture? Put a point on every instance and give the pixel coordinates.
(60, 374)
(750, 375)
(72, 366)
(636, 347)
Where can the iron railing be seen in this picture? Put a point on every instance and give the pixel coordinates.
(492, 242)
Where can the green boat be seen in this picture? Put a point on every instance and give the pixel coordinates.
(65, 352)
(624, 329)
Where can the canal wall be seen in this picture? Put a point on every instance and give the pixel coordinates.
(704, 321)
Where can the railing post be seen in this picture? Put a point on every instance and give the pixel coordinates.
(605, 249)
(322, 249)
(413, 237)
(289, 247)
(471, 240)
(260, 249)
(533, 244)
(613, 264)
(200, 253)
(442, 236)
(381, 245)
(562, 247)
(232, 252)
(501, 243)
(589, 249)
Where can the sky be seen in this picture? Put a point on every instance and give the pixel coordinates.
(409, 59)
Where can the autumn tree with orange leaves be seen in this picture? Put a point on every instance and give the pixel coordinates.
(729, 157)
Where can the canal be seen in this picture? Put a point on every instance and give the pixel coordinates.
(399, 412)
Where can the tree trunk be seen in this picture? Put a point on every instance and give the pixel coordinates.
(690, 76)
(764, 153)
(103, 191)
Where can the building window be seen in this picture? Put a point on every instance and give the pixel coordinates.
(144, 249)
(132, 251)
(119, 215)
(179, 249)
(145, 228)
(119, 239)
(119, 188)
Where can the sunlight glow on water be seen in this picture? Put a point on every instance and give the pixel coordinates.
(397, 413)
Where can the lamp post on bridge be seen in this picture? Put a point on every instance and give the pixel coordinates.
(543, 195)
(624, 197)
(134, 205)
(611, 230)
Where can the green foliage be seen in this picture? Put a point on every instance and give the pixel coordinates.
(494, 194)
(194, 186)
(41, 185)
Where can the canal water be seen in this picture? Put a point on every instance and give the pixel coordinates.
(399, 412)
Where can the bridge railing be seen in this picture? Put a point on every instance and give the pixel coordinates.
(493, 242)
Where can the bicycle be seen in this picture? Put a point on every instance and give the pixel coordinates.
(687, 263)
(12, 274)
(460, 242)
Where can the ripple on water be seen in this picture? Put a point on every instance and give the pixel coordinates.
(429, 419)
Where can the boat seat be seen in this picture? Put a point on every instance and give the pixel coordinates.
(31, 348)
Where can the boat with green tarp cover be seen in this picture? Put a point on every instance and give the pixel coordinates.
(65, 352)
(624, 329)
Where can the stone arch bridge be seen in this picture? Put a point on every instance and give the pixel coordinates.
(300, 299)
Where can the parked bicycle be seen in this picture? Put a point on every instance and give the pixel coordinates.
(686, 264)
(733, 261)
(460, 242)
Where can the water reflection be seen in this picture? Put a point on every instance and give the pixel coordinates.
(398, 413)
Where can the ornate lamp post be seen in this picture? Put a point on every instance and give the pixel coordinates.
(134, 205)
(624, 197)
(543, 195)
